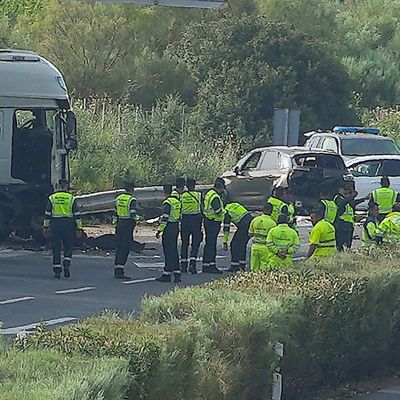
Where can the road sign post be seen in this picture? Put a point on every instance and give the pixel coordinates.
(276, 373)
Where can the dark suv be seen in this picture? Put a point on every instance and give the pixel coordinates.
(251, 181)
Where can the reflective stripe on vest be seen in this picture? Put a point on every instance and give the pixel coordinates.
(123, 205)
(331, 210)
(191, 203)
(277, 206)
(175, 213)
(62, 205)
(209, 212)
(385, 198)
(236, 211)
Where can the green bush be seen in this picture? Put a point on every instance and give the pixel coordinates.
(43, 374)
(337, 321)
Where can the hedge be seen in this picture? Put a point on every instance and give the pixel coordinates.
(337, 322)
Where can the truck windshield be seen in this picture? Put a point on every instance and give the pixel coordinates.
(368, 146)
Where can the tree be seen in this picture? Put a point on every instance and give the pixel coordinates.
(245, 66)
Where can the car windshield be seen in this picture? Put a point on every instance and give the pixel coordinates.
(365, 147)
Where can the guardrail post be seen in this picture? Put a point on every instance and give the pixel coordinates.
(276, 373)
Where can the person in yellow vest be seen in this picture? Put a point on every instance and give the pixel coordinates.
(258, 232)
(389, 229)
(62, 223)
(191, 226)
(282, 242)
(322, 238)
(169, 230)
(180, 188)
(370, 226)
(328, 205)
(126, 217)
(346, 217)
(278, 204)
(241, 218)
(214, 214)
(385, 197)
(289, 199)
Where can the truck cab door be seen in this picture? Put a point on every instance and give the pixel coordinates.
(59, 165)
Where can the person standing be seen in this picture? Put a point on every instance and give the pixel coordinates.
(322, 237)
(241, 218)
(191, 226)
(278, 204)
(370, 226)
(282, 242)
(62, 222)
(328, 206)
(169, 229)
(346, 216)
(179, 188)
(385, 197)
(214, 213)
(258, 231)
(126, 216)
(289, 199)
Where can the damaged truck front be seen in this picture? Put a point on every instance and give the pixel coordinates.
(37, 131)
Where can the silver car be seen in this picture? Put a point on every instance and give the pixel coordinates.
(253, 178)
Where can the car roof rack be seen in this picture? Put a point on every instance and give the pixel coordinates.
(356, 129)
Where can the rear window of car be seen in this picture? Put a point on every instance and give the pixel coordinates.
(368, 146)
(325, 161)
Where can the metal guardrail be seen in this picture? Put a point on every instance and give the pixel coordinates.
(149, 200)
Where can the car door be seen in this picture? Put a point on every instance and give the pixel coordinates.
(391, 169)
(239, 183)
(366, 178)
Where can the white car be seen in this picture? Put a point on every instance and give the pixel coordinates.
(351, 142)
(369, 170)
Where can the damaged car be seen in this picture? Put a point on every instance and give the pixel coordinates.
(253, 178)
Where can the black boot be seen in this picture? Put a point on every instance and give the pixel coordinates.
(192, 267)
(119, 274)
(67, 264)
(184, 267)
(234, 268)
(164, 278)
(57, 272)
(177, 277)
(211, 269)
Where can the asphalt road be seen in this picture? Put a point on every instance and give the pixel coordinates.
(30, 295)
(392, 393)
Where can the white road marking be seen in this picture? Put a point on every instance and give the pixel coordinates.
(148, 265)
(390, 391)
(82, 289)
(139, 281)
(24, 328)
(299, 258)
(17, 300)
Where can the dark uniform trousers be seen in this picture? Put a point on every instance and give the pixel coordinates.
(344, 235)
(240, 240)
(62, 237)
(212, 229)
(191, 229)
(124, 236)
(170, 247)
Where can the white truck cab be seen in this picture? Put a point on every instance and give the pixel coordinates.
(37, 131)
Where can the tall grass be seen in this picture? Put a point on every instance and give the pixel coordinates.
(151, 147)
(43, 374)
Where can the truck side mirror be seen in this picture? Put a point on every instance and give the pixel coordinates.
(71, 143)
